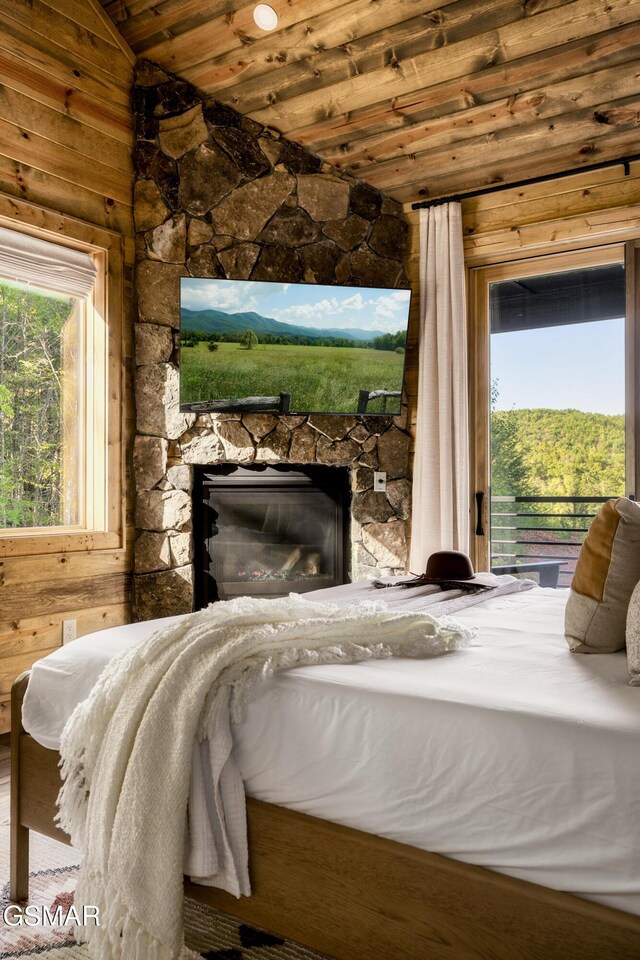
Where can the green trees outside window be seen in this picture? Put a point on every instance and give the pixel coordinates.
(33, 343)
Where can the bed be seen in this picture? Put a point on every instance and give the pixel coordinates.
(449, 806)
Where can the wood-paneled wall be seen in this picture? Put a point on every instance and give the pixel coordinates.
(581, 210)
(65, 144)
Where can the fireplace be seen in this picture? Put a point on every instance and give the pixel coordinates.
(268, 531)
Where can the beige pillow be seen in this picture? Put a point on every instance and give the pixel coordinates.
(607, 571)
(633, 637)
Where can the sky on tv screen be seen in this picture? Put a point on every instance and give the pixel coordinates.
(309, 305)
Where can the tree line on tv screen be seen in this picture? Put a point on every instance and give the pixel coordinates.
(395, 342)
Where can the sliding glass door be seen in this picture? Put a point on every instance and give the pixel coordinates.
(554, 404)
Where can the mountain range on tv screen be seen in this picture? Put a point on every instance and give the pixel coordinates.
(216, 321)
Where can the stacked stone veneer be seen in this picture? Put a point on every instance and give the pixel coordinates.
(218, 195)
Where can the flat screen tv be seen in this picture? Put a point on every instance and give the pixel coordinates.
(291, 347)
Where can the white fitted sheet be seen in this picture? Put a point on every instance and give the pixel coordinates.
(514, 754)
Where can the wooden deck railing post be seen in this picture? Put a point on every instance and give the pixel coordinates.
(363, 400)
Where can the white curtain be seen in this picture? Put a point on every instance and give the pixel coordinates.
(440, 519)
(44, 264)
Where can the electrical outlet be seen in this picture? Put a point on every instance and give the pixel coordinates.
(379, 481)
(68, 631)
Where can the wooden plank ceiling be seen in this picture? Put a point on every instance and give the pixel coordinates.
(419, 98)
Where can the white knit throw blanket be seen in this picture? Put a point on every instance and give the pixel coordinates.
(127, 749)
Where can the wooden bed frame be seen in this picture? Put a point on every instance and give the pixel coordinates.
(352, 895)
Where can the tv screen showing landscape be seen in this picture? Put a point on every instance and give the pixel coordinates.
(291, 347)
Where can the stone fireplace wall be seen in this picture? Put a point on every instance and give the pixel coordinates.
(219, 195)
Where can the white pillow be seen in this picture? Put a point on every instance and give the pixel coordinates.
(633, 637)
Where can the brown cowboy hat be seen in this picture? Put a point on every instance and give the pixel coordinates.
(450, 570)
(447, 569)
(448, 565)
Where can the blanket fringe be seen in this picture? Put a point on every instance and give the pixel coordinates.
(119, 936)
(72, 800)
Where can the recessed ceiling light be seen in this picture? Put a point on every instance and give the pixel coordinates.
(265, 16)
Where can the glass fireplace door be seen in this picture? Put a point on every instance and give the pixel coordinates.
(270, 535)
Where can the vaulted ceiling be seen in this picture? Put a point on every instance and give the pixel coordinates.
(419, 98)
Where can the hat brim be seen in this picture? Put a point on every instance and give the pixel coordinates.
(473, 579)
(446, 583)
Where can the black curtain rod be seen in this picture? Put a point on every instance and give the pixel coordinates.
(458, 197)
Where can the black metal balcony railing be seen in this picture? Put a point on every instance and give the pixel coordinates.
(541, 534)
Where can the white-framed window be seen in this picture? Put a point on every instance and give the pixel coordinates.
(60, 384)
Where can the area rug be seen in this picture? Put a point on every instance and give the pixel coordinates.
(211, 935)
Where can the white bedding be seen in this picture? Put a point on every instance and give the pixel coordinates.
(513, 754)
